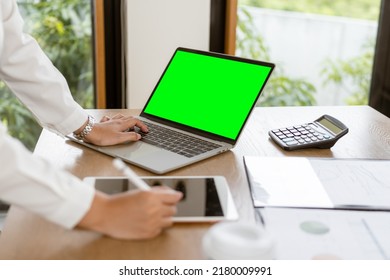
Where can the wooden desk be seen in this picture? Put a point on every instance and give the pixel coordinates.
(27, 236)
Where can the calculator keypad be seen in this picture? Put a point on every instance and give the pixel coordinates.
(300, 135)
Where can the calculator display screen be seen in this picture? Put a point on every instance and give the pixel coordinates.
(329, 125)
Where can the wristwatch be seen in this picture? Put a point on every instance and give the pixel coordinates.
(87, 129)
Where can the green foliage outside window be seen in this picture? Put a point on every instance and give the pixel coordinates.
(63, 30)
(280, 90)
(17, 118)
(353, 74)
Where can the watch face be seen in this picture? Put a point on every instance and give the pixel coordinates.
(330, 125)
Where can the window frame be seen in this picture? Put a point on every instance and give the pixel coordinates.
(379, 97)
(108, 62)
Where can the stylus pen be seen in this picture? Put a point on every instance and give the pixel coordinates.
(137, 181)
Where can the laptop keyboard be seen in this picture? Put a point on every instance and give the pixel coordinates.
(176, 142)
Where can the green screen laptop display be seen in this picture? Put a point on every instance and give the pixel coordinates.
(208, 92)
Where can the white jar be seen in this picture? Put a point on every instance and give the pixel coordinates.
(238, 241)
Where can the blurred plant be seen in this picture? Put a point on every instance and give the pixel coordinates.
(353, 74)
(63, 30)
(17, 118)
(280, 90)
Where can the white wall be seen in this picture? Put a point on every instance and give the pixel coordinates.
(154, 30)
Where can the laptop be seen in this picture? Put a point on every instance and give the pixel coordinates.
(201, 103)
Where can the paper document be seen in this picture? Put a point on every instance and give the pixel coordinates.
(355, 182)
(328, 234)
(319, 183)
(285, 182)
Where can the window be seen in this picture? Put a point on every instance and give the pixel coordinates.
(380, 85)
(323, 50)
(63, 28)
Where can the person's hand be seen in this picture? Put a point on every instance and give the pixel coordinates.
(132, 215)
(115, 130)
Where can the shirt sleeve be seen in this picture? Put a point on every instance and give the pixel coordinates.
(34, 184)
(33, 78)
(26, 180)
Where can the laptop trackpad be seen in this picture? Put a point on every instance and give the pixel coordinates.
(147, 155)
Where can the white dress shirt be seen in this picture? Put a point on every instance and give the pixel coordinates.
(26, 180)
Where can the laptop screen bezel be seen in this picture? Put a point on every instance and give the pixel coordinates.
(197, 131)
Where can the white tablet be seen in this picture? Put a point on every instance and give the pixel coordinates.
(205, 199)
